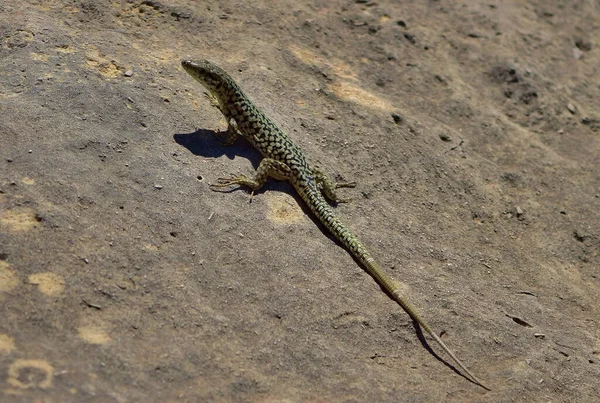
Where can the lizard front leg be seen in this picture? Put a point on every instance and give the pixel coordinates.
(268, 167)
(229, 136)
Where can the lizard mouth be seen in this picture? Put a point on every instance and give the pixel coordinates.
(189, 65)
(205, 72)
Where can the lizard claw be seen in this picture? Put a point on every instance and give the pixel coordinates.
(346, 185)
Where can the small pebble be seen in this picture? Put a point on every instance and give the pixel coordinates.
(571, 108)
(397, 118)
(441, 78)
(584, 45)
(128, 73)
(158, 186)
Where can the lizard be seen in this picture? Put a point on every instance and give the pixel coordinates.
(284, 160)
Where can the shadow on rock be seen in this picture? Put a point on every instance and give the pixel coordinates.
(205, 143)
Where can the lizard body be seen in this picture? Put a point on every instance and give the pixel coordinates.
(284, 160)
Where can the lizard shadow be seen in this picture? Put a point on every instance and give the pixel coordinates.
(427, 347)
(204, 142)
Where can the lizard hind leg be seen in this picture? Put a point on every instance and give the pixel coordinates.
(328, 186)
(268, 168)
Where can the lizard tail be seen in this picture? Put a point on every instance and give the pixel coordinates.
(326, 215)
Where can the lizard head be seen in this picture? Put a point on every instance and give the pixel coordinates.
(211, 76)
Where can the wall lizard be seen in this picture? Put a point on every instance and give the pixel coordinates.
(283, 160)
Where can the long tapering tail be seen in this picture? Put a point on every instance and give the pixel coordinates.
(326, 215)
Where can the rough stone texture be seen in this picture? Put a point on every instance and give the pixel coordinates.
(471, 128)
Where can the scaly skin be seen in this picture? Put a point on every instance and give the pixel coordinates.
(283, 160)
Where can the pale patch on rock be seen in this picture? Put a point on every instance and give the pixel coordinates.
(359, 96)
(50, 284)
(17, 220)
(283, 209)
(25, 374)
(8, 278)
(7, 344)
(94, 334)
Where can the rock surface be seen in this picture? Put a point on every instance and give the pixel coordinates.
(123, 277)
